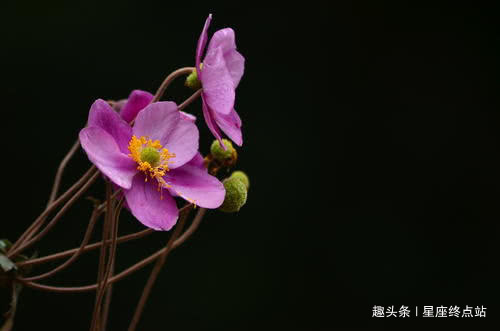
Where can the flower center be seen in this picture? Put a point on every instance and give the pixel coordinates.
(151, 157)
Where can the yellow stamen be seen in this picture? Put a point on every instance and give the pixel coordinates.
(157, 170)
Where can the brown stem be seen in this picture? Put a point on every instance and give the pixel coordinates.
(113, 217)
(30, 231)
(107, 300)
(87, 248)
(78, 251)
(139, 265)
(126, 238)
(60, 170)
(189, 100)
(56, 218)
(154, 274)
(170, 78)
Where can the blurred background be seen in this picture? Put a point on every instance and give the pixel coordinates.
(370, 138)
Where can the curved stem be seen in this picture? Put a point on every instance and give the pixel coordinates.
(189, 100)
(30, 231)
(87, 248)
(126, 238)
(60, 170)
(57, 217)
(154, 274)
(170, 78)
(139, 265)
(78, 252)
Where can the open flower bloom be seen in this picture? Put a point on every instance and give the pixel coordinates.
(137, 101)
(152, 161)
(220, 74)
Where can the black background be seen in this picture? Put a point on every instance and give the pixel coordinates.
(370, 137)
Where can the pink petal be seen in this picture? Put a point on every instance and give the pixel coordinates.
(198, 161)
(104, 152)
(153, 209)
(103, 116)
(202, 41)
(217, 82)
(194, 184)
(209, 120)
(231, 125)
(162, 121)
(235, 62)
(136, 101)
(187, 116)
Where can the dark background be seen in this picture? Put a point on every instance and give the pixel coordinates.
(370, 138)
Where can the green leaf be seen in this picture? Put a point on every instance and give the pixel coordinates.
(5, 245)
(6, 264)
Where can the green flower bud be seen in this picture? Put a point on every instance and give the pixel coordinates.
(192, 81)
(241, 176)
(220, 154)
(236, 195)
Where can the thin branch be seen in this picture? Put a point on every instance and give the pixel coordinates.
(139, 265)
(122, 239)
(114, 217)
(56, 218)
(30, 231)
(78, 251)
(189, 100)
(155, 272)
(60, 171)
(170, 78)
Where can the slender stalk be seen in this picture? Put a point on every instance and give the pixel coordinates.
(85, 249)
(155, 272)
(107, 300)
(122, 239)
(60, 171)
(113, 217)
(78, 251)
(30, 231)
(56, 218)
(103, 253)
(170, 78)
(189, 100)
(139, 265)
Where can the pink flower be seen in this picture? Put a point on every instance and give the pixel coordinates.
(219, 75)
(152, 161)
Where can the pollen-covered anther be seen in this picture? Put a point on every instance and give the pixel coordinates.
(151, 157)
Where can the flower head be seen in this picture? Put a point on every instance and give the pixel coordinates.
(153, 161)
(220, 74)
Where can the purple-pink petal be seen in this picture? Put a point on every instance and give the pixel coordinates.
(217, 82)
(162, 121)
(136, 101)
(187, 116)
(103, 116)
(154, 209)
(235, 62)
(194, 184)
(230, 124)
(103, 151)
(209, 120)
(200, 47)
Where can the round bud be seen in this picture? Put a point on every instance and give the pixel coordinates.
(221, 154)
(192, 81)
(241, 176)
(236, 195)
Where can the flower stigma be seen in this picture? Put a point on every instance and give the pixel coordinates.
(151, 157)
